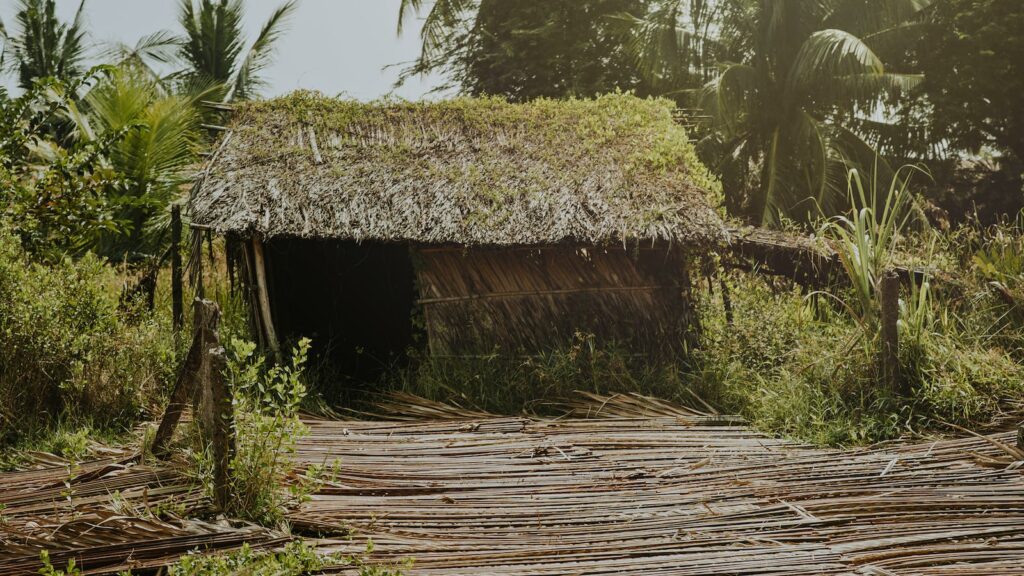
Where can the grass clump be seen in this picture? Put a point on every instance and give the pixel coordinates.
(67, 353)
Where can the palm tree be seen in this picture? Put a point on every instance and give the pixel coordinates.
(781, 111)
(155, 142)
(42, 46)
(214, 46)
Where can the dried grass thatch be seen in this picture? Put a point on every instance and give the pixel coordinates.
(465, 171)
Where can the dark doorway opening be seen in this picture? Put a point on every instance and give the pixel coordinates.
(355, 301)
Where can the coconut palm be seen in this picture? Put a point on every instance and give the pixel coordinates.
(42, 46)
(214, 45)
(156, 143)
(781, 111)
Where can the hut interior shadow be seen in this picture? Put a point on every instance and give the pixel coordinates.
(355, 301)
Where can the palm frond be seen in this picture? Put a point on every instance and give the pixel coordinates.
(830, 54)
(864, 17)
(659, 45)
(247, 80)
(444, 18)
(730, 96)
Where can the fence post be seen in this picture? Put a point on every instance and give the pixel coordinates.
(177, 302)
(218, 424)
(889, 354)
(207, 319)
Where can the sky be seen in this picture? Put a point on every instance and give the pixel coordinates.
(340, 47)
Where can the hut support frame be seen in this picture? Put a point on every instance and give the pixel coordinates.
(263, 298)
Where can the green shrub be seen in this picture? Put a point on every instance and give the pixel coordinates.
(66, 351)
(794, 365)
(295, 559)
(267, 426)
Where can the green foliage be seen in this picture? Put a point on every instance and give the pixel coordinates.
(66, 350)
(866, 241)
(54, 197)
(972, 56)
(155, 151)
(42, 46)
(297, 558)
(788, 364)
(790, 77)
(266, 401)
(529, 48)
(49, 570)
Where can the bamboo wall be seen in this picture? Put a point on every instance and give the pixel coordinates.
(514, 301)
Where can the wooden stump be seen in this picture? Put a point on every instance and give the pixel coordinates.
(889, 352)
(218, 422)
(207, 319)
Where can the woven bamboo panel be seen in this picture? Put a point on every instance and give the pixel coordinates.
(512, 301)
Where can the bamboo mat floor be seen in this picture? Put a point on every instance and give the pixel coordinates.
(622, 485)
(640, 487)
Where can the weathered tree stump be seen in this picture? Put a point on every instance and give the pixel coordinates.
(218, 424)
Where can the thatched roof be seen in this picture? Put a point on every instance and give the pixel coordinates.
(465, 171)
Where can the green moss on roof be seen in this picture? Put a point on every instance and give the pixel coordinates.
(468, 170)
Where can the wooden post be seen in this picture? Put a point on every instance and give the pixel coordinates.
(218, 423)
(726, 300)
(263, 297)
(177, 302)
(889, 353)
(207, 318)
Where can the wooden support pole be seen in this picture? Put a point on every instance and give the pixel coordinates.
(263, 298)
(207, 319)
(177, 292)
(889, 353)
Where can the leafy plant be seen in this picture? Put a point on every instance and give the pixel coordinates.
(66, 351)
(866, 241)
(48, 568)
(266, 401)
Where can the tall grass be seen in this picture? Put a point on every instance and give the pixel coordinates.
(866, 241)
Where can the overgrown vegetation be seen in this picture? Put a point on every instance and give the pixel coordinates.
(535, 384)
(67, 352)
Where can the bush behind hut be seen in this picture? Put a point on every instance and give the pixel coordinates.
(67, 352)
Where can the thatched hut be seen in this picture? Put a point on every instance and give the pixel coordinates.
(494, 227)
